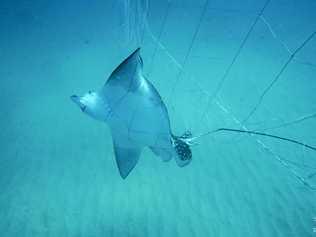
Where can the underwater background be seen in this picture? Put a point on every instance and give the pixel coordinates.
(213, 62)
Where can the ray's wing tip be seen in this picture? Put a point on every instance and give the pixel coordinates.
(136, 51)
(123, 175)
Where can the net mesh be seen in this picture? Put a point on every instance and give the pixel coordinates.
(202, 109)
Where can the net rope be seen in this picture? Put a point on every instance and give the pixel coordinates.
(214, 98)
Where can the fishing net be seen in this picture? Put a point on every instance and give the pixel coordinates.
(134, 19)
(208, 82)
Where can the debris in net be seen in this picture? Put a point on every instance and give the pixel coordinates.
(278, 76)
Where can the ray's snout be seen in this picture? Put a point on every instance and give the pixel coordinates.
(76, 100)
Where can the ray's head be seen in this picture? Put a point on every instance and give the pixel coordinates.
(92, 104)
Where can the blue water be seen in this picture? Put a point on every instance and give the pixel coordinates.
(58, 175)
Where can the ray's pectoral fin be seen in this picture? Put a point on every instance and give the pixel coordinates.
(126, 158)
